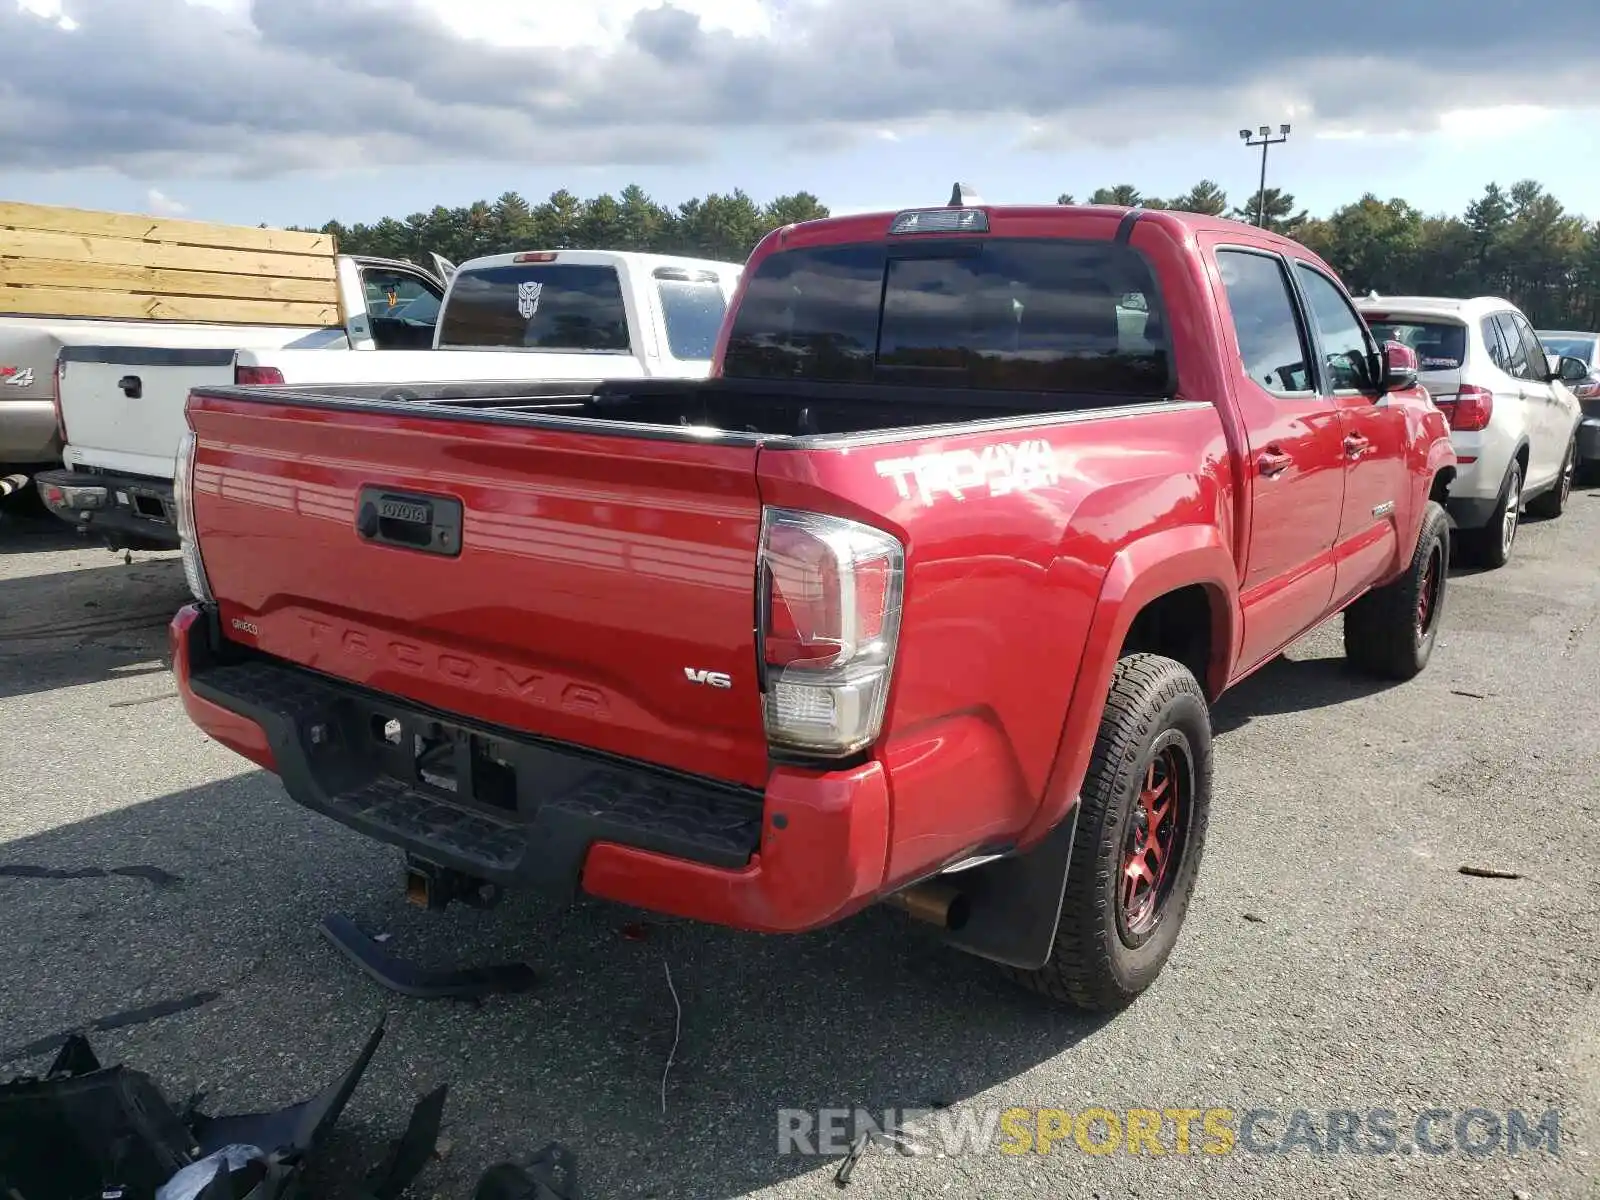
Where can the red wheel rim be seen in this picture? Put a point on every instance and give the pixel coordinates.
(1153, 845)
(1428, 595)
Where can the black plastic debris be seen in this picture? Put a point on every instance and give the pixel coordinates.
(410, 1152)
(84, 1130)
(551, 1174)
(422, 983)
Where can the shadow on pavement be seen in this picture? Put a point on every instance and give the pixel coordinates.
(25, 532)
(201, 906)
(1288, 685)
(78, 626)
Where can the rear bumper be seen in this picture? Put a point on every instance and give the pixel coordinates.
(810, 850)
(126, 510)
(1471, 512)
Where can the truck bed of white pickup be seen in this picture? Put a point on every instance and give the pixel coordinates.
(566, 315)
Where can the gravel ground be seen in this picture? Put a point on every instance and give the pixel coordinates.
(1335, 956)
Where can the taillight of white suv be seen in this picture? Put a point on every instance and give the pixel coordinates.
(828, 620)
(1469, 410)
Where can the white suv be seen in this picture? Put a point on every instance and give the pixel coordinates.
(1513, 419)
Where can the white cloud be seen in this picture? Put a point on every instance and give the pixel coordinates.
(162, 88)
(160, 204)
(48, 10)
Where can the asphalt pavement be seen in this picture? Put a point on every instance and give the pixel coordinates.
(164, 893)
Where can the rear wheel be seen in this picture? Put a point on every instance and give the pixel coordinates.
(1491, 545)
(1390, 631)
(1141, 831)
(1554, 502)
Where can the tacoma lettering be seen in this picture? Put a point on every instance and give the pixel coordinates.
(996, 470)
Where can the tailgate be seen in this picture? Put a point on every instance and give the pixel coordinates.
(129, 401)
(591, 588)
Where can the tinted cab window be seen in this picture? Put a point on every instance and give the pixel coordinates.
(1271, 343)
(1003, 313)
(1347, 348)
(538, 306)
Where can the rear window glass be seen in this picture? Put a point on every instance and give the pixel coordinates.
(692, 310)
(1440, 345)
(537, 306)
(1004, 313)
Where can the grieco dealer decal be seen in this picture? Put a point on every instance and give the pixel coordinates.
(996, 470)
(528, 299)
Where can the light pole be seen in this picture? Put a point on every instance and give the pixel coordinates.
(1264, 140)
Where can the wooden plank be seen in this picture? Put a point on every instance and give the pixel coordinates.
(132, 306)
(63, 247)
(90, 223)
(32, 272)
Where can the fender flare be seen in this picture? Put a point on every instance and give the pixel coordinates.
(1440, 455)
(1140, 572)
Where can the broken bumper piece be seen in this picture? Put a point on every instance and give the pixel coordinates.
(83, 1129)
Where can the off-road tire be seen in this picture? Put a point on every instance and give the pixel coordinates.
(1488, 547)
(1091, 966)
(1554, 502)
(1385, 634)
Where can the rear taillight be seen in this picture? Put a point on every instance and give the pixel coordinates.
(194, 567)
(828, 622)
(253, 376)
(1470, 410)
(1589, 389)
(55, 399)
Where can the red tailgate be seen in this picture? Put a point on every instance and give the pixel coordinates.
(602, 592)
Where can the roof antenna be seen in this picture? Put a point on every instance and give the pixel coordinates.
(964, 195)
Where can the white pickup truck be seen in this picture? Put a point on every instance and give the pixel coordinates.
(577, 315)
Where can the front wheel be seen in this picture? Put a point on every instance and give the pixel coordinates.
(1141, 831)
(1390, 632)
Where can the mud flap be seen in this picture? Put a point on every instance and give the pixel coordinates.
(1014, 904)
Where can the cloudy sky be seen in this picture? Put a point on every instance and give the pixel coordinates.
(294, 111)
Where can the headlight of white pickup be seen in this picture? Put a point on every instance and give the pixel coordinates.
(194, 567)
(830, 597)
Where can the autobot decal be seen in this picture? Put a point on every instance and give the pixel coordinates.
(528, 299)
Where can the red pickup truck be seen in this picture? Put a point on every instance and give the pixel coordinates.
(921, 598)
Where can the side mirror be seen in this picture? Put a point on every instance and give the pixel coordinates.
(1572, 370)
(1400, 368)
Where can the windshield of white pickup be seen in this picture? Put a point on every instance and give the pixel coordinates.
(1004, 313)
(537, 306)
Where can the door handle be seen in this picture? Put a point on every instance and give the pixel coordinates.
(1355, 445)
(1273, 462)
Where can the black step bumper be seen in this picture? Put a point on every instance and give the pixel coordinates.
(492, 803)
